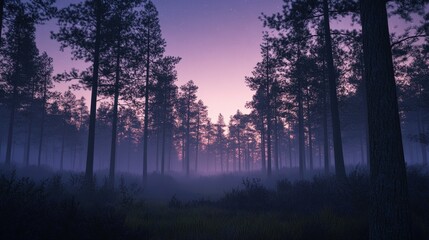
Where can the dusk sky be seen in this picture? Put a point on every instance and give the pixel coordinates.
(218, 41)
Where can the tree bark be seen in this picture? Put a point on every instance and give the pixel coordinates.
(325, 130)
(197, 144)
(11, 127)
(268, 109)
(28, 144)
(389, 209)
(164, 129)
(276, 142)
(115, 118)
(146, 109)
(188, 137)
(340, 170)
(42, 123)
(301, 138)
(89, 171)
(239, 147)
(63, 138)
(263, 162)
(310, 134)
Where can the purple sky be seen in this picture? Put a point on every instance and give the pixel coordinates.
(218, 41)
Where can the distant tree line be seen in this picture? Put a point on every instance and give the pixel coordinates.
(308, 105)
(323, 97)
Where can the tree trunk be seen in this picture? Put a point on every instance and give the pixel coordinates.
(157, 148)
(146, 110)
(183, 152)
(197, 142)
(28, 144)
(11, 126)
(263, 143)
(42, 123)
(310, 134)
(268, 109)
(362, 151)
(63, 137)
(188, 137)
(239, 148)
(170, 149)
(89, 172)
(115, 118)
(325, 130)
(276, 144)
(74, 157)
(301, 138)
(340, 170)
(208, 154)
(164, 126)
(421, 132)
(389, 209)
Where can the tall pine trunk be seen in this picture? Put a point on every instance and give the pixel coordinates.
(340, 170)
(197, 142)
(276, 143)
(28, 144)
(89, 171)
(326, 159)
(269, 123)
(163, 142)
(11, 126)
(115, 117)
(30, 129)
(239, 149)
(263, 160)
(188, 136)
(310, 134)
(301, 138)
(164, 130)
(63, 138)
(42, 124)
(389, 208)
(146, 109)
(421, 132)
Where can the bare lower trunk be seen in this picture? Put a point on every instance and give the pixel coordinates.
(263, 145)
(89, 171)
(340, 170)
(389, 209)
(11, 127)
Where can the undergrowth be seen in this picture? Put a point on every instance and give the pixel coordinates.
(63, 208)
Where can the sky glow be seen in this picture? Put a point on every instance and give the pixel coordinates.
(218, 41)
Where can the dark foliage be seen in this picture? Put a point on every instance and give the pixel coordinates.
(254, 196)
(60, 208)
(55, 209)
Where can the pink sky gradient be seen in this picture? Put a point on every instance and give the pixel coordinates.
(219, 45)
(218, 41)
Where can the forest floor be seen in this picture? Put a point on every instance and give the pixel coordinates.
(53, 206)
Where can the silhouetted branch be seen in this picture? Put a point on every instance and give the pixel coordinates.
(408, 38)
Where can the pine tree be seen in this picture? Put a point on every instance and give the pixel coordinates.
(19, 61)
(82, 28)
(389, 211)
(151, 48)
(188, 98)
